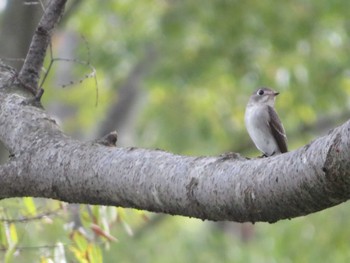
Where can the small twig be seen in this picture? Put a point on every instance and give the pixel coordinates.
(49, 67)
(12, 59)
(108, 140)
(3, 249)
(31, 2)
(33, 218)
(92, 73)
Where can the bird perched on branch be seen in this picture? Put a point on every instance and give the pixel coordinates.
(263, 124)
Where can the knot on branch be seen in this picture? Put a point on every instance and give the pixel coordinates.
(40, 30)
(109, 140)
(8, 76)
(231, 156)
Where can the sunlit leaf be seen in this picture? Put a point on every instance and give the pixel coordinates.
(9, 253)
(3, 239)
(80, 241)
(13, 234)
(94, 254)
(30, 205)
(46, 260)
(79, 255)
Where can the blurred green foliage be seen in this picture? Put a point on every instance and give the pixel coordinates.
(209, 57)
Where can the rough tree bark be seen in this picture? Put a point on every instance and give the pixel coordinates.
(47, 163)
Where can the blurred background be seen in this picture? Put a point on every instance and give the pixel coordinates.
(177, 75)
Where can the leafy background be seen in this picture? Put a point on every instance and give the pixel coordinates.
(201, 61)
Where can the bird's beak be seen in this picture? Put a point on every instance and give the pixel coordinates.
(275, 93)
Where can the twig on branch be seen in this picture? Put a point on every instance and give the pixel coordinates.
(23, 248)
(91, 74)
(30, 72)
(108, 140)
(26, 219)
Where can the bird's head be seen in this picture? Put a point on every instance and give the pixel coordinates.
(263, 96)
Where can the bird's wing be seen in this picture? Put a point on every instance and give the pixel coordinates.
(277, 130)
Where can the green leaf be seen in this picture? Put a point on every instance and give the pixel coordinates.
(94, 254)
(30, 205)
(80, 241)
(3, 239)
(13, 234)
(79, 255)
(9, 253)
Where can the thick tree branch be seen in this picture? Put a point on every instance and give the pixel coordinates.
(47, 163)
(30, 72)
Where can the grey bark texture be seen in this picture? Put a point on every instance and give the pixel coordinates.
(47, 163)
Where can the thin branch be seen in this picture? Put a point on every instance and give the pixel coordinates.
(24, 248)
(30, 72)
(31, 218)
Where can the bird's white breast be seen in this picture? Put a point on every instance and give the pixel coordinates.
(257, 124)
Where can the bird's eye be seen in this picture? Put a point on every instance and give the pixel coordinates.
(260, 92)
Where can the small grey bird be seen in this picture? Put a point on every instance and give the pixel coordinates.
(262, 123)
